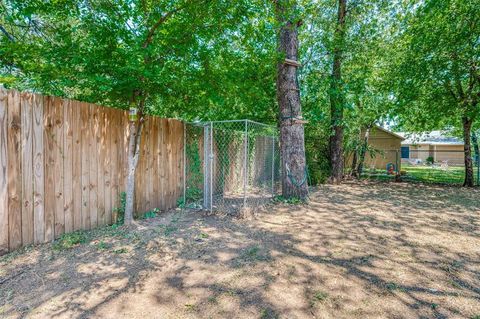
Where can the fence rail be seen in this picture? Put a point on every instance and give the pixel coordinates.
(63, 166)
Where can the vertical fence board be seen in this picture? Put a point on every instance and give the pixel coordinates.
(154, 150)
(93, 153)
(76, 165)
(14, 170)
(161, 168)
(85, 129)
(49, 169)
(150, 151)
(38, 170)
(106, 146)
(114, 155)
(27, 168)
(68, 165)
(4, 233)
(101, 166)
(58, 166)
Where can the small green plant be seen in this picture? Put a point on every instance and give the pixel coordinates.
(476, 316)
(320, 296)
(169, 230)
(291, 201)
(434, 306)
(190, 307)
(70, 240)
(120, 211)
(151, 214)
(120, 251)
(212, 299)
(203, 235)
(429, 160)
(101, 245)
(267, 313)
(391, 286)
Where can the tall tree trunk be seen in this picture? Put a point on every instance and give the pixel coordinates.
(476, 149)
(292, 143)
(467, 127)
(354, 163)
(337, 97)
(363, 151)
(134, 140)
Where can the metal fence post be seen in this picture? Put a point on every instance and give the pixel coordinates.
(245, 159)
(273, 166)
(211, 167)
(478, 169)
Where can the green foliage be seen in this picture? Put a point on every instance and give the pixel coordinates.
(290, 201)
(188, 58)
(70, 240)
(120, 211)
(429, 160)
(151, 214)
(120, 251)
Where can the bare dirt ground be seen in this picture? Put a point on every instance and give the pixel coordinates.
(372, 250)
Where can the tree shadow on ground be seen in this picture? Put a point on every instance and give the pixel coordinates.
(356, 251)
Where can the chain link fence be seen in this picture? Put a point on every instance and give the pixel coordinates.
(231, 165)
(426, 166)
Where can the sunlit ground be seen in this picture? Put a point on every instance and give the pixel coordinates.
(368, 250)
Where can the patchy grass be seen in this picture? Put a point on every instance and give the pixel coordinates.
(70, 240)
(454, 175)
(361, 250)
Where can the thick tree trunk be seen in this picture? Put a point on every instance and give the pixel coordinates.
(337, 98)
(354, 163)
(292, 144)
(363, 151)
(467, 127)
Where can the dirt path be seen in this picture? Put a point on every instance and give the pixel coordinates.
(357, 251)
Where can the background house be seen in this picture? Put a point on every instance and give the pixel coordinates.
(385, 148)
(437, 145)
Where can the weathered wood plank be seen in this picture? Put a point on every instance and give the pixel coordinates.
(93, 154)
(38, 170)
(161, 167)
(14, 170)
(3, 172)
(58, 166)
(107, 159)
(101, 166)
(27, 167)
(154, 149)
(85, 167)
(68, 165)
(49, 146)
(115, 163)
(77, 164)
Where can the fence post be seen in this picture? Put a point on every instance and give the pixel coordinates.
(245, 159)
(184, 164)
(273, 166)
(211, 166)
(478, 170)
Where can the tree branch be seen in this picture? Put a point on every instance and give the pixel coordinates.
(8, 35)
(159, 22)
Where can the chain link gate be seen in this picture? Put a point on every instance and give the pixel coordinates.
(230, 165)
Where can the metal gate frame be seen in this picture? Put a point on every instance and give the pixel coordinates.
(253, 191)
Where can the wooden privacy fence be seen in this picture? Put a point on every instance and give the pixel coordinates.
(63, 166)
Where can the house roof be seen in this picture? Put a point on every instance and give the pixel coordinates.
(430, 138)
(389, 132)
